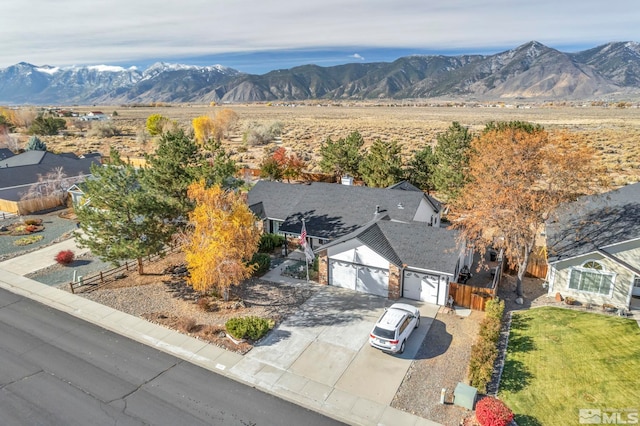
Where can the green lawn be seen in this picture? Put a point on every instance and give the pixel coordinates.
(559, 361)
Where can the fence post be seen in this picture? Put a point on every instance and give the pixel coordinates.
(126, 265)
(101, 278)
(71, 286)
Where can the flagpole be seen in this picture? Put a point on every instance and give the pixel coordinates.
(304, 251)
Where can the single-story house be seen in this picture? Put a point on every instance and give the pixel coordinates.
(593, 247)
(393, 259)
(20, 172)
(331, 210)
(383, 241)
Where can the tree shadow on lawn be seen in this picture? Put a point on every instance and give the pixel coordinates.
(521, 344)
(515, 376)
(526, 420)
(520, 322)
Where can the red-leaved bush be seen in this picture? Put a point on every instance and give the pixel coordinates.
(65, 257)
(492, 412)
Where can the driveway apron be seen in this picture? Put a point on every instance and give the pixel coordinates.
(322, 351)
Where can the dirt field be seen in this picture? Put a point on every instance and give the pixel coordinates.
(613, 131)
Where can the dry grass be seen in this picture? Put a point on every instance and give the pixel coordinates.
(612, 131)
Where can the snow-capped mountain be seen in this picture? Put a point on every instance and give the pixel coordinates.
(27, 83)
(530, 71)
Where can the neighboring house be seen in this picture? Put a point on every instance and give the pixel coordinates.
(20, 172)
(383, 241)
(77, 194)
(94, 116)
(593, 249)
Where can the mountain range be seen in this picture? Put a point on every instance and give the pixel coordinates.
(532, 71)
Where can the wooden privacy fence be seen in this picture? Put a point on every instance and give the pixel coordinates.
(537, 268)
(474, 297)
(94, 282)
(468, 296)
(23, 207)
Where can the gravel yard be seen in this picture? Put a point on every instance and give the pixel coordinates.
(441, 362)
(55, 229)
(163, 298)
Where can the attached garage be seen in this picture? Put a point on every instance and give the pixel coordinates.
(361, 278)
(394, 260)
(420, 286)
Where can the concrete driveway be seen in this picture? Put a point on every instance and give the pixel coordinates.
(322, 352)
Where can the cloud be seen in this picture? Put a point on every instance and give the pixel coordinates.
(357, 56)
(67, 32)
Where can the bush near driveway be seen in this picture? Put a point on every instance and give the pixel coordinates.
(249, 327)
(484, 351)
(560, 361)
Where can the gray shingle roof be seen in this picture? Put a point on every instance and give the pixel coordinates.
(5, 153)
(415, 244)
(330, 210)
(22, 170)
(594, 222)
(408, 186)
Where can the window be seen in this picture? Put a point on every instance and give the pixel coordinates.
(591, 277)
(636, 281)
(405, 324)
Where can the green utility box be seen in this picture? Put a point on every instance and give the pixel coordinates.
(465, 396)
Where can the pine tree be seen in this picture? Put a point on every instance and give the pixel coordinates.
(122, 220)
(452, 161)
(35, 144)
(421, 169)
(382, 165)
(343, 156)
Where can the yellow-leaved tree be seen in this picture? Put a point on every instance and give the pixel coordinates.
(223, 238)
(203, 128)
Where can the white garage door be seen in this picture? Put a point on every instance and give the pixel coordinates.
(422, 287)
(342, 274)
(373, 281)
(360, 278)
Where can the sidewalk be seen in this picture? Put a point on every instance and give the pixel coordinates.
(307, 378)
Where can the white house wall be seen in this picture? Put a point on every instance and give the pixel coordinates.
(425, 213)
(621, 287)
(356, 252)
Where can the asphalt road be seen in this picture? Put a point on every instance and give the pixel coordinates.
(56, 369)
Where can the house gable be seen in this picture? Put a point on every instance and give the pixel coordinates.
(354, 251)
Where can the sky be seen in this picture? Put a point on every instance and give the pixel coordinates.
(257, 36)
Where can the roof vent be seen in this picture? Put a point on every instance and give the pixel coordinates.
(347, 180)
(400, 206)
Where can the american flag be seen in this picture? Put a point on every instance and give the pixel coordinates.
(303, 235)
